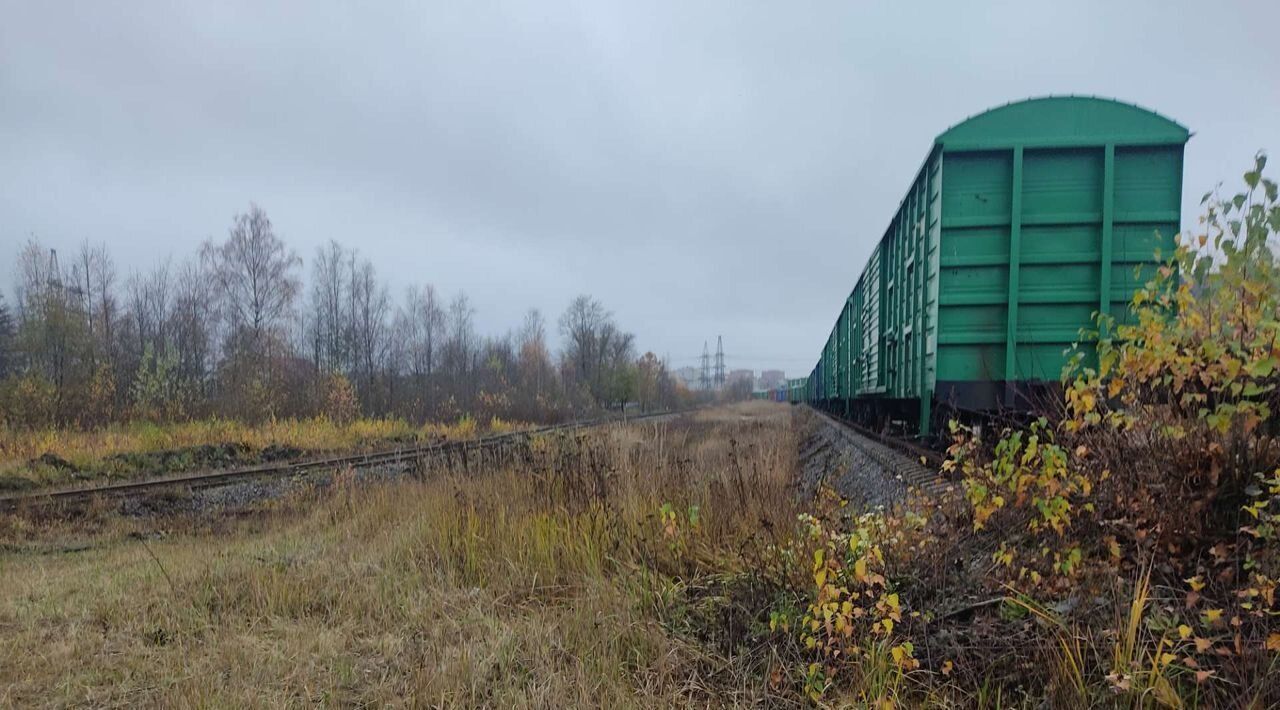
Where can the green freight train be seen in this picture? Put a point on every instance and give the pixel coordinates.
(789, 391)
(1022, 223)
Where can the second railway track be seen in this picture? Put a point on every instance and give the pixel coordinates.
(207, 479)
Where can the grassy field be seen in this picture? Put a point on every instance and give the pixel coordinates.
(558, 580)
(644, 564)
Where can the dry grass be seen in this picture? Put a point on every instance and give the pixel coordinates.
(546, 582)
(745, 412)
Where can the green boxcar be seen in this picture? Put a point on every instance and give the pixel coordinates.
(844, 352)
(1022, 223)
(796, 390)
(833, 363)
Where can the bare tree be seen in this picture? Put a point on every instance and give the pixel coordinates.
(36, 278)
(254, 281)
(596, 349)
(193, 326)
(533, 331)
(94, 273)
(149, 303)
(328, 289)
(459, 348)
(580, 326)
(368, 329)
(253, 273)
(534, 360)
(421, 321)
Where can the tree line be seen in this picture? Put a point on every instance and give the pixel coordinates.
(234, 331)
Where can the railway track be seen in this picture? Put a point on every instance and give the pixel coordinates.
(927, 456)
(917, 466)
(209, 479)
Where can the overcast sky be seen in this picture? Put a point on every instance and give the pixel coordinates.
(702, 168)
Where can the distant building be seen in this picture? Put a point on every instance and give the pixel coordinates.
(689, 376)
(771, 379)
(736, 376)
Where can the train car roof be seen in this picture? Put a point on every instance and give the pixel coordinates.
(1062, 121)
